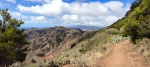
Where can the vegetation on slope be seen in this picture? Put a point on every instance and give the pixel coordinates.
(136, 23)
(91, 46)
(87, 50)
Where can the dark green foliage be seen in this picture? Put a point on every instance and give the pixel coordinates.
(121, 22)
(12, 39)
(138, 22)
(131, 30)
(135, 4)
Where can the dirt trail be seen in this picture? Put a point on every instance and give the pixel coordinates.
(122, 55)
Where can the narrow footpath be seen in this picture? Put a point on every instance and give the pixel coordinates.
(122, 55)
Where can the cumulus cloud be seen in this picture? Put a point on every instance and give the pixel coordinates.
(70, 18)
(31, 19)
(11, 1)
(92, 13)
(88, 20)
(39, 19)
(53, 8)
(91, 9)
(18, 15)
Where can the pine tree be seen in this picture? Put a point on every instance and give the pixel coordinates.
(12, 39)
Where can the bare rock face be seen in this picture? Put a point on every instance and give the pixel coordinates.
(50, 41)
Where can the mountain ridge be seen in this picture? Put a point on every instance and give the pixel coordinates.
(84, 49)
(85, 27)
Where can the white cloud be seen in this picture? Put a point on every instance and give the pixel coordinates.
(88, 20)
(117, 8)
(91, 9)
(70, 18)
(92, 13)
(31, 19)
(11, 1)
(39, 19)
(53, 8)
(18, 15)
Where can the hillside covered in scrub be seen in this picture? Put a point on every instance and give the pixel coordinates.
(130, 34)
(126, 43)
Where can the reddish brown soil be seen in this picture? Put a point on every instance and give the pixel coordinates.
(122, 55)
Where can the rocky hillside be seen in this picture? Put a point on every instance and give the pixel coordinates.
(62, 47)
(52, 32)
(50, 41)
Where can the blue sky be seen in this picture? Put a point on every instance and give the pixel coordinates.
(49, 13)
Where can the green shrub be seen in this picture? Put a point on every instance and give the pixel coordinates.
(136, 23)
(83, 50)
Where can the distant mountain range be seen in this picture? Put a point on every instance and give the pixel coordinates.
(85, 28)
(82, 27)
